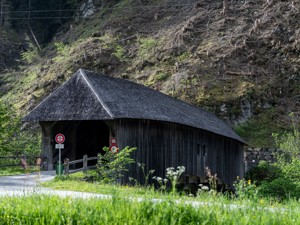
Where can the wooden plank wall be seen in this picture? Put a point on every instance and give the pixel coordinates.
(163, 144)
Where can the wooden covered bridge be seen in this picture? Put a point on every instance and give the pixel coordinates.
(92, 109)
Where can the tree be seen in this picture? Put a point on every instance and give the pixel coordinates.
(5, 7)
(8, 127)
(14, 140)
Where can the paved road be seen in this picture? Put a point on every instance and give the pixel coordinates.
(21, 182)
(27, 184)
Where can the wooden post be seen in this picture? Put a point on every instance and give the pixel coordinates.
(67, 166)
(47, 149)
(84, 162)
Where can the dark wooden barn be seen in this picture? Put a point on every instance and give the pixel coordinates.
(91, 109)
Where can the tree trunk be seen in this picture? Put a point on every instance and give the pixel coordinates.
(225, 7)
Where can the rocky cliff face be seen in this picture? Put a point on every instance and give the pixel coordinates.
(242, 64)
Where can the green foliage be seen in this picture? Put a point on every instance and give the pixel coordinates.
(113, 165)
(146, 46)
(162, 76)
(245, 189)
(50, 210)
(258, 131)
(62, 51)
(281, 179)
(32, 54)
(289, 142)
(288, 161)
(61, 48)
(172, 175)
(119, 53)
(14, 141)
(280, 188)
(184, 56)
(9, 126)
(263, 172)
(15, 170)
(146, 175)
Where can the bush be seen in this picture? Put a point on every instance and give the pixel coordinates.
(245, 189)
(264, 171)
(282, 178)
(113, 165)
(280, 188)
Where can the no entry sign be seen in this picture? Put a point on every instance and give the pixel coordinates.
(60, 138)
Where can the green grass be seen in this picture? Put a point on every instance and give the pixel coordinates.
(75, 182)
(55, 210)
(139, 205)
(8, 171)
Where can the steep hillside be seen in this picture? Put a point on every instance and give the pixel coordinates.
(241, 63)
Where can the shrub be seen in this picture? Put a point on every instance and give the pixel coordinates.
(264, 171)
(281, 179)
(113, 165)
(280, 188)
(245, 189)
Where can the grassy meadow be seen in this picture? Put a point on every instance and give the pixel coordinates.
(141, 205)
(41, 209)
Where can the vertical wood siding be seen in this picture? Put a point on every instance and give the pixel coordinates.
(162, 145)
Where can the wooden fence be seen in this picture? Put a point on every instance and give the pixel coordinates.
(84, 161)
(24, 161)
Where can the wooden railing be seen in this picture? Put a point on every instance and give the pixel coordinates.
(24, 161)
(84, 161)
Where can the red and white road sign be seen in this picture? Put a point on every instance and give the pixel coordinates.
(60, 138)
(113, 145)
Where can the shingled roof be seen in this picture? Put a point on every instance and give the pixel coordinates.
(91, 96)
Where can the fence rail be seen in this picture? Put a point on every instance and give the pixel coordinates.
(84, 162)
(24, 161)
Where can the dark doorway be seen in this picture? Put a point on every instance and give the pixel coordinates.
(67, 129)
(91, 137)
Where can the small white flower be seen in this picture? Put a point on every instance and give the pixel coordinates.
(205, 188)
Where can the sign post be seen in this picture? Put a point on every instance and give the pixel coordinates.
(60, 139)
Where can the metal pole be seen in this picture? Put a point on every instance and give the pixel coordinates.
(59, 162)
